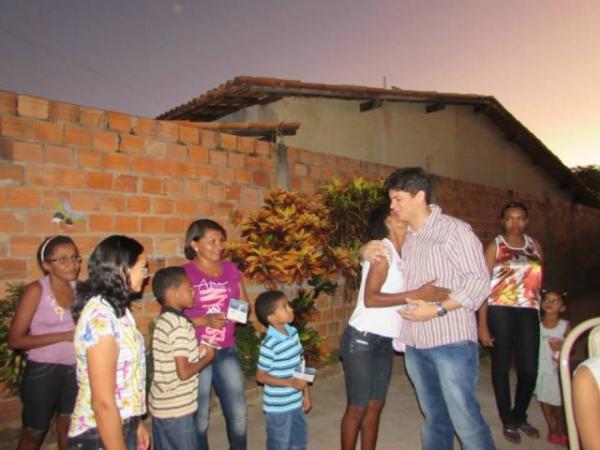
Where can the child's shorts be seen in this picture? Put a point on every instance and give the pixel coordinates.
(287, 430)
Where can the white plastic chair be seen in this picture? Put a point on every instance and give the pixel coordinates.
(565, 371)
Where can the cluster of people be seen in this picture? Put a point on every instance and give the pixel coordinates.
(425, 276)
(86, 360)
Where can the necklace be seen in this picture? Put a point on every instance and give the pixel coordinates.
(59, 310)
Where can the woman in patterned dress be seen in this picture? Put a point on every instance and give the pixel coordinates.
(509, 320)
(111, 367)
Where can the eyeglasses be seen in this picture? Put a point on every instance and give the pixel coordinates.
(62, 260)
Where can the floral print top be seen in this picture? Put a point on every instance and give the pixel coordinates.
(517, 275)
(96, 321)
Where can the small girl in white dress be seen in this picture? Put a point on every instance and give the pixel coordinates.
(553, 330)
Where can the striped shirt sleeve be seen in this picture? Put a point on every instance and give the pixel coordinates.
(266, 357)
(465, 253)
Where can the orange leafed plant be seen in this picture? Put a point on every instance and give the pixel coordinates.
(288, 241)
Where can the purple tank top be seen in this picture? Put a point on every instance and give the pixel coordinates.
(212, 295)
(50, 317)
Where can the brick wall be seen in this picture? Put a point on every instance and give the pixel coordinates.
(150, 179)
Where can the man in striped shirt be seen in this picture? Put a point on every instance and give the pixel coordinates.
(441, 338)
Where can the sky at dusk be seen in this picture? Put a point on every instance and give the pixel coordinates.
(540, 59)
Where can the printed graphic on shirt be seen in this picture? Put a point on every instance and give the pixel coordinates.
(215, 299)
(517, 276)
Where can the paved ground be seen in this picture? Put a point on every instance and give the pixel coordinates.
(399, 426)
(400, 421)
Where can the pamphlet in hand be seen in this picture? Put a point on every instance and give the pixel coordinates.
(305, 373)
(238, 311)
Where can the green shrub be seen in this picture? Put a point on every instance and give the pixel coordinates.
(12, 362)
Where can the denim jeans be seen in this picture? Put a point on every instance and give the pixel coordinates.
(225, 374)
(287, 430)
(515, 330)
(90, 440)
(445, 379)
(178, 433)
(367, 359)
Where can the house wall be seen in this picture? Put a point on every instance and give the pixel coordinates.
(150, 179)
(454, 142)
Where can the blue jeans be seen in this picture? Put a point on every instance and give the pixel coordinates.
(445, 379)
(90, 439)
(178, 433)
(225, 374)
(287, 430)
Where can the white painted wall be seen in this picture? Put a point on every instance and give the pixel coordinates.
(453, 142)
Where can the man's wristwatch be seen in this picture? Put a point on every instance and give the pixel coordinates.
(441, 311)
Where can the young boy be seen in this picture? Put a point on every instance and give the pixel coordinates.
(280, 353)
(177, 357)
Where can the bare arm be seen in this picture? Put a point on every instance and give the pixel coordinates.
(264, 378)
(539, 248)
(586, 407)
(374, 298)
(186, 369)
(372, 251)
(216, 320)
(19, 335)
(102, 368)
(307, 400)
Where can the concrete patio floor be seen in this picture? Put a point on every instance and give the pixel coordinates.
(400, 422)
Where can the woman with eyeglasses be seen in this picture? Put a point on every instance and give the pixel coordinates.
(43, 326)
(111, 365)
(509, 321)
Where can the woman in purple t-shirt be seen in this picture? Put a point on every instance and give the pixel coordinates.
(215, 283)
(43, 326)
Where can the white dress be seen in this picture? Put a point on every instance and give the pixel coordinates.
(547, 387)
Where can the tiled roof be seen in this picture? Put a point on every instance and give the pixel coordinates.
(245, 91)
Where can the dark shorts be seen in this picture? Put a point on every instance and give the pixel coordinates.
(47, 389)
(90, 440)
(367, 359)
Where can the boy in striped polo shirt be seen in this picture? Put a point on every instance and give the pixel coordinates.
(173, 399)
(280, 353)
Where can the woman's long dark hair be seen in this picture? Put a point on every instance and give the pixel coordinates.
(108, 274)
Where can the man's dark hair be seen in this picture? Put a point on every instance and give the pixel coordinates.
(165, 279)
(411, 180)
(376, 224)
(265, 304)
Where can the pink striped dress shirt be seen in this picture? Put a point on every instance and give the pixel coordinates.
(447, 250)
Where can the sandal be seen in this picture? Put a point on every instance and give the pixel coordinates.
(511, 434)
(554, 439)
(529, 430)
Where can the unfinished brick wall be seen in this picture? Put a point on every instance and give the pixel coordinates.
(149, 179)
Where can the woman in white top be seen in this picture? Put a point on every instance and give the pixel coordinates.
(366, 345)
